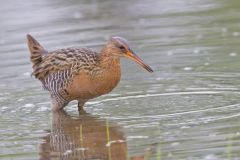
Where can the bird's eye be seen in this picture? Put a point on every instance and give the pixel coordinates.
(122, 48)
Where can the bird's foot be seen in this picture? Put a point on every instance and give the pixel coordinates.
(80, 107)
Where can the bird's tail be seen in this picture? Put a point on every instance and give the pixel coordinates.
(36, 50)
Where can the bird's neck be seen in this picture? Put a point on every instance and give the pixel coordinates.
(108, 60)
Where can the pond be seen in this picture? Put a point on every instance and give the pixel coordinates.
(188, 108)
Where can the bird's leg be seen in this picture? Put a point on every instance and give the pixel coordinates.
(80, 105)
(57, 103)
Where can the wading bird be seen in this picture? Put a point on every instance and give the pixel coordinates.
(79, 73)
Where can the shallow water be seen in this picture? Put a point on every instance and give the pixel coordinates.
(187, 109)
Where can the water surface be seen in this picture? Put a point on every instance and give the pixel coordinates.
(187, 109)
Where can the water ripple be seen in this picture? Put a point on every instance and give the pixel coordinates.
(159, 94)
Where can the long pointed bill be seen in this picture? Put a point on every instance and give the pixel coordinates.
(134, 57)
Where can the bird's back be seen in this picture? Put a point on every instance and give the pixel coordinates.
(73, 60)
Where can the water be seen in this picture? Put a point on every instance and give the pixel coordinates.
(187, 109)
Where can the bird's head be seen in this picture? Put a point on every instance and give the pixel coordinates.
(120, 47)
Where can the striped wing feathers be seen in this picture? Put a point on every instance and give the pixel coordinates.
(59, 67)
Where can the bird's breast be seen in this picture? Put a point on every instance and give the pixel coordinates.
(108, 81)
(87, 86)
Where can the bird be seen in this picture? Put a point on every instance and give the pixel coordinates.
(77, 73)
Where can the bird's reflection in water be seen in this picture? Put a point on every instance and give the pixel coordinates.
(83, 137)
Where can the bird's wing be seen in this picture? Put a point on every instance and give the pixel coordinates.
(59, 67)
